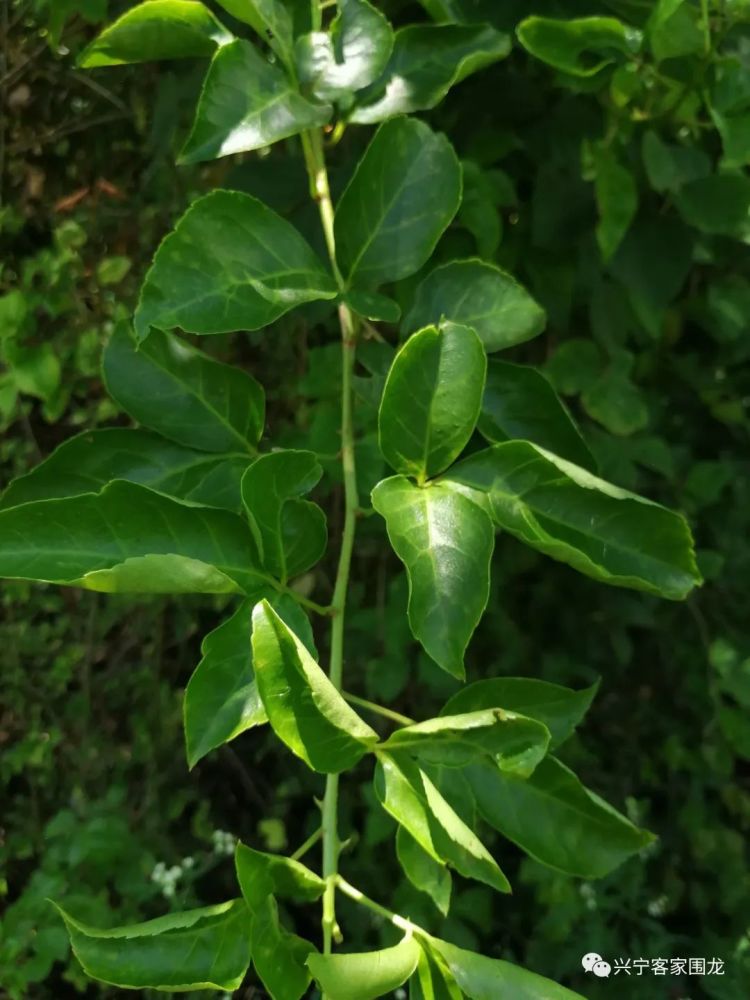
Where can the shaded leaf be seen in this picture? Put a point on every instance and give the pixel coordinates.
(371, 305)
(481, 296)
(271, 19)
(290, 533)
(432, 979)
(246, 103)
(176, 390)
(559, 708)
(605, 532)
(158, 29)
(581, 46)
(616, 199)
(367, 975)
(229, 264)
(129, 539)
(428, 60)
(555, 819)
(349, 56)
(278, 956)
(87, 462)
(519, 403)
(207, 948)
(261, 875)
(431, 400)
(514, 742)
(424, 873)
(407, 793)
(404, 193)
(484, 978)
(719, 205)
(445, 542)
(304, 708)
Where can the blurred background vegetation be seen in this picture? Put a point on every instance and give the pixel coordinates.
(649, 344)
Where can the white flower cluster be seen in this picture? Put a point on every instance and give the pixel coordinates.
(223, 842)
(167, 878)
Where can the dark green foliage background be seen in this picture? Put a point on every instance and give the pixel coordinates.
(649, 349)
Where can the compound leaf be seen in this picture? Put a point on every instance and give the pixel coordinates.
(519, 402)
(129, 539)
(581, 46)
(432, 399)
(304, 708)
(351, 55)
(427, 60)
(555, 819)
(176, 390)
(408, 794)
(424, 873)
(278, 955)
(404, 193)
(229, 264)
(566, 513)
(158, 29)
(367, 975)
(483, 978)
(261, 875)
(559, 708)
(514, 742)
(202, 949)
(445, 542)
(246, 103)
(87, 462)
(290, 533)
(479, 295)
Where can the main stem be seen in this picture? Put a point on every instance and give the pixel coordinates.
(316, 168)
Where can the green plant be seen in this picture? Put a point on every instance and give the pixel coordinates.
(187, 504)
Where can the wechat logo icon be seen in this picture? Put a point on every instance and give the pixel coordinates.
(594, 963)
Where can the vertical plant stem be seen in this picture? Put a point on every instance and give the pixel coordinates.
(316, 167)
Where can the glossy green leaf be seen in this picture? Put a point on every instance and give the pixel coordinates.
(718, 205)
(290, 533)
(304, 708)
(181, 393)
(616, 200)
(279, 956)
(514, 742)
(519, 403)
(222, 699)
(480, 295)
(566, 513)
(261, 875)
(404, 193)
(129, 539)
(582, 46)
(445, 542)
(555, 819)
(367, 975)
(669, 166)
(424, 873)
(431, 400)
(374, 306)
(271, 19)
(428, 60)
(229, 264)
(246, 103)
(407, 793)
(559, 708)
(483, 978)
(353, 53)
(87, 462)
(158, 29)
(200, 949)
(432, 979)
